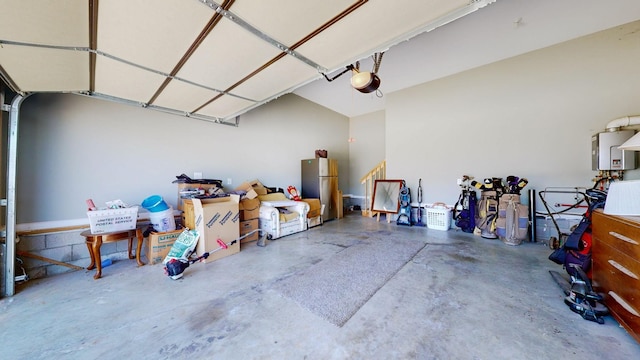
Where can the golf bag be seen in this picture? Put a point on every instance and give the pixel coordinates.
(465, 218)
(576, 250)
(404, 215)
(512, 225)
(487, 214)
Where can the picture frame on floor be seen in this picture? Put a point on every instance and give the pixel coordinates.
(386, 196)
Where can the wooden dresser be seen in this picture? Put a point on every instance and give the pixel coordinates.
(616, 266)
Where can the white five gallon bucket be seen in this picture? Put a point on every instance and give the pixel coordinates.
(163, 221)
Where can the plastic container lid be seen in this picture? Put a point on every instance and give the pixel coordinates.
(154, 203)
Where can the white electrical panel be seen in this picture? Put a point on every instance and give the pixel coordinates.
(605, 154)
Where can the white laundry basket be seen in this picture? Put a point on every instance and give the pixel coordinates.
(439, 216)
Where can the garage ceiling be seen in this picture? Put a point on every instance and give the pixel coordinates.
(200, 58)
(500, 31)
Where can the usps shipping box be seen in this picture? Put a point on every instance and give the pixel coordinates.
(112, 220)
(216, 218)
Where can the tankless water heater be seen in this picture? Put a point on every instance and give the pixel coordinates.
(605, 154)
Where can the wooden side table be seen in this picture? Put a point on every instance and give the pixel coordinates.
(95, 241)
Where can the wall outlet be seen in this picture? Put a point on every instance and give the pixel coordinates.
(229, 182)
(197, 175)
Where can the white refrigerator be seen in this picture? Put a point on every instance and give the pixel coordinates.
(320, 181)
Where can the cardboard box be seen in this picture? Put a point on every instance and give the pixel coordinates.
(215, 218)
(185, 186)
(159, 244)
(245, 186)
(248, 226)
(314, 208)
(315, 221)
(253, 188)
(110, 220)
(249, 209)
(258, 187)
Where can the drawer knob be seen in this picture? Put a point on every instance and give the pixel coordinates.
(623, 269)
(624, 304)
(623, 238)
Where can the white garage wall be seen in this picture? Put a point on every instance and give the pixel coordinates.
(531, 116)
(72, 148)
(366, 149)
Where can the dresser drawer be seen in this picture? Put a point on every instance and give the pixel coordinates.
(617, 232)
(616, 267)
(626, 315)
(614, 271)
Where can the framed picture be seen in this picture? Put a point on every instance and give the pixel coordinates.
(386, 196)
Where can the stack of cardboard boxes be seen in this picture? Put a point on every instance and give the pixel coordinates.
(226, 218)
(215, 218)
(159, 243)
(250, 209)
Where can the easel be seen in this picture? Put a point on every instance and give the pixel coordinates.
(377, 215)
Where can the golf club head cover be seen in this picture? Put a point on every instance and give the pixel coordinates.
(497, 183)
(488, 184)
(522, 183)
(477, 185)
(596, 196)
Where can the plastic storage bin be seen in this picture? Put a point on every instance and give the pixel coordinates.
(104, 221)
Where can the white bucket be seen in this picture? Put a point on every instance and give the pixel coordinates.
(163, 221)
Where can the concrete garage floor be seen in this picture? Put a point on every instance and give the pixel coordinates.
(460, 297)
